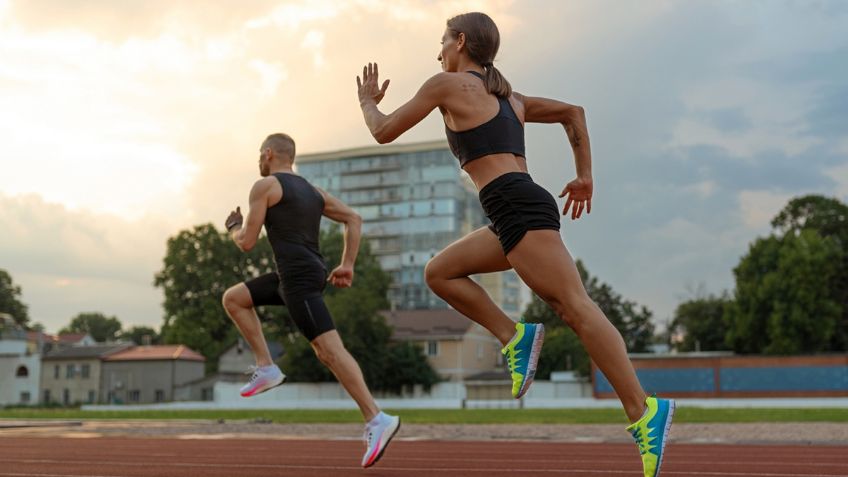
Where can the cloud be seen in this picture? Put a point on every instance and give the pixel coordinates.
(70, 261)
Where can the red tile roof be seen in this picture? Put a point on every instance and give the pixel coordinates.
(427, 324)
(71, 337)
(157, 352)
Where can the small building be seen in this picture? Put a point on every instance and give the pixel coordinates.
(233, 367)
(455, 346)
(148, 374)
(19, 369)
(71, 375)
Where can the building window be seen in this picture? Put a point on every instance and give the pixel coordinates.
(92, 396)
(56, 372)
(66, 396)
(479, 351)
(160, 395)
(135, 394)
(85, 371)
(22, 372)
(206, 394)
(25, 397)
(69, 371)
(46, 396)
(432, 348)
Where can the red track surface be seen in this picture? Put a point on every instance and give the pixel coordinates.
(127, 457)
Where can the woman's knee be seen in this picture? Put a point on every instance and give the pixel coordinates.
(574, 309)
(232, 298)
(433, 273)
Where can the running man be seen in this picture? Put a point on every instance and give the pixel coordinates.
(291, 210)
(484, 123)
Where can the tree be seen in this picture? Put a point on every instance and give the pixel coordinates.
(136, 334)
(98, 325)
(792, 287)
(199, 265)
(363, 330)
(10, 299)
(632, 321)
(828, 217)
(700, 321)
(563, 349)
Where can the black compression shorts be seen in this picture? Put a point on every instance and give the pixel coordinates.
(308, 310)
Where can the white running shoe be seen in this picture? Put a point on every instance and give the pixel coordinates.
(263, 379)
(377, 438)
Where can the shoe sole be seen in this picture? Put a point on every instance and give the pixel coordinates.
(538, 339)
(384, 447)
(266, 389)
(667, 430)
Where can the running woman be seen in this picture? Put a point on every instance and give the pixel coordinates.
(291, 210)
(484, 122)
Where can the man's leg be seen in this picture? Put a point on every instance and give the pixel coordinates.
(239, 302)
(239, 307)
(331, 351)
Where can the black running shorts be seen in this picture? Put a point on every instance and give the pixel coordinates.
(308, 309)
(516, 204)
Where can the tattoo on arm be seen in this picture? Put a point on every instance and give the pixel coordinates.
(573, 135)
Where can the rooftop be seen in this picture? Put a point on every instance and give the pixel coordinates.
(427, 324)
(156, 353)
(375, 150)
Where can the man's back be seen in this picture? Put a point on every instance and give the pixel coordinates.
(293, 223)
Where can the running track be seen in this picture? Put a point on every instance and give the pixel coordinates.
(129, 457)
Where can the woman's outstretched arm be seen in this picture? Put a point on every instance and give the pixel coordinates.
(387, 127)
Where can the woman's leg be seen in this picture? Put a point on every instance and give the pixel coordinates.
(331, 351)
(447, 275)
(544, 264)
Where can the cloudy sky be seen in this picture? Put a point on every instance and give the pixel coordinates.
(123, 122)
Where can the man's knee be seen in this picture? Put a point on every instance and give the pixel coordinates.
(236, 297)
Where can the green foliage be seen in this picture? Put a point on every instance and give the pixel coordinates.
(10, 299)
(563, 349)
(363, 330)
(631, 320)
(136, 334)
(101, 327)
(199, 265)
(792, 288)
(700, 321)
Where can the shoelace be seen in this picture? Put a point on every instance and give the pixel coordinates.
(255, 372)
(640, 442)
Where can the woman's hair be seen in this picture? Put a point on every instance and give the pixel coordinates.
(482, 41)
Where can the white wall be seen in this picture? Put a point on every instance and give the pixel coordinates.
(11, 386)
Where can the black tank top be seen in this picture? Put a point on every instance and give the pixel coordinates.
(294, 222)
(503, 133)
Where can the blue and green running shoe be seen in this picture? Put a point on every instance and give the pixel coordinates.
(651, 433)
(522, 354)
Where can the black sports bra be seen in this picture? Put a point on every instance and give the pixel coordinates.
(503, 133)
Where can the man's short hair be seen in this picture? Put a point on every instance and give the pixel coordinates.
(281, 144)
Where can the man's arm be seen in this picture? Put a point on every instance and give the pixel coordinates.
(245, 235)
(338, 211)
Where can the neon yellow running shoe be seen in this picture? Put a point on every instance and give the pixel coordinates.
(651, 433)
(522, 354)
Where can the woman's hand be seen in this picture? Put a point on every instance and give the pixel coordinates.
(368, 89)
(579, 192)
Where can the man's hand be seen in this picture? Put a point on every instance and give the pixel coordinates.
(368, 89)
(341, 277)
(579, 192)
(234, 220)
